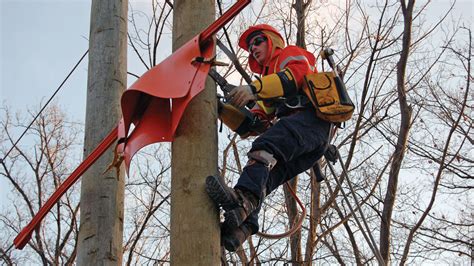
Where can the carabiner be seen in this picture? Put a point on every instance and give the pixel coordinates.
(298, 104)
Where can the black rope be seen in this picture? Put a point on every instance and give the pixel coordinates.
(8, 249)
(44, 107)
(233, 58)
(219, 4)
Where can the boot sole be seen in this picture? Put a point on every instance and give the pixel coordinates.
(219, 194)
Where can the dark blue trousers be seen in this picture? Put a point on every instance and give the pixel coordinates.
(297, 141)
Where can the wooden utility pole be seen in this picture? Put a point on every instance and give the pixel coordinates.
(195, 238)
(101, 228)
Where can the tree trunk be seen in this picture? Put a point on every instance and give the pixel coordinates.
(293, 216)
(296, 250)
(101, 229)
(195, 234)
(314, 219)
(300, 7)
(399, 153)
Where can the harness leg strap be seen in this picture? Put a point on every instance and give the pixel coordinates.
(263, 157)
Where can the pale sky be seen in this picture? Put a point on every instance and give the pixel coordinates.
(41, 40)
(40, 43)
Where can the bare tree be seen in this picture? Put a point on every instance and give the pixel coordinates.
(34, 171)
(431, 216)
(369, 47)
(450, 158)
(405, 125)
(147, 190)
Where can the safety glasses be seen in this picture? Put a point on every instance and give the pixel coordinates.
(256, 42)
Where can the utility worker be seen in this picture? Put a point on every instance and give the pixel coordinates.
(287, 148)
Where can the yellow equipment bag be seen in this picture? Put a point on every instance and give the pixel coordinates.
(329, 96)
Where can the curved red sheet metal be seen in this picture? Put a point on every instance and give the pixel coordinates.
(153, 106)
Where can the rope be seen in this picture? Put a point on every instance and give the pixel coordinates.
(8, 249)
(219, 4)
(42, 109)
(231, 52)
(298, 223)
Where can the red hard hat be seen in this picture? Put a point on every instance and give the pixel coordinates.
(252, 29)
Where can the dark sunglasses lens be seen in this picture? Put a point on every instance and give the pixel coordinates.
(257, 41)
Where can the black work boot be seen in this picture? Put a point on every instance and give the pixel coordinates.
(232, 239)
(237, 204)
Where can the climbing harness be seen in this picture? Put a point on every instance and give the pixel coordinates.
(226, 88)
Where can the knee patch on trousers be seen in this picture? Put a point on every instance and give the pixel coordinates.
(263, 157)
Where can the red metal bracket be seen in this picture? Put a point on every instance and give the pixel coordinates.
(154, 104)
(224, 19)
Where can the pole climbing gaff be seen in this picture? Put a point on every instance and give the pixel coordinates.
(154, 110)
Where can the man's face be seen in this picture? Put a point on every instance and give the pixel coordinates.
(258, 47)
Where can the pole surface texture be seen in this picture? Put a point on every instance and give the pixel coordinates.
(102, 194)
(195, 238)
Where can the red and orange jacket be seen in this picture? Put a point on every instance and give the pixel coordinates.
(282, 75)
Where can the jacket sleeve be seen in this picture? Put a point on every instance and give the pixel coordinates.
(293, 64)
